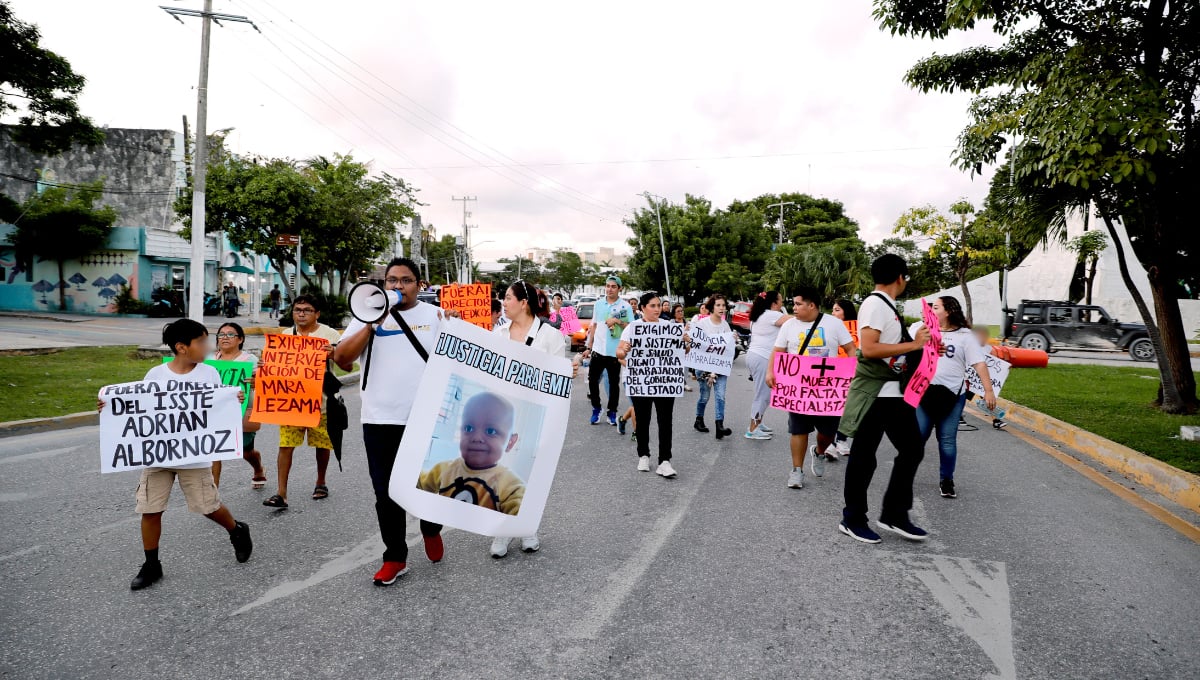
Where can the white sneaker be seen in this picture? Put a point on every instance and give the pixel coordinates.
(756, 434)
(842, 447)
(643, 463)
(763, 427)
(816, 462)
(796, 479)
(530, 543)
(665, 469)
(500, 546)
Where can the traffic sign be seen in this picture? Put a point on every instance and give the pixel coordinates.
(287, 240)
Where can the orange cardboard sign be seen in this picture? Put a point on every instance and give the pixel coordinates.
(288, 381)
(472, 301)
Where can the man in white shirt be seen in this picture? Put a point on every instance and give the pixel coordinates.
(883, 338)
(823, 341)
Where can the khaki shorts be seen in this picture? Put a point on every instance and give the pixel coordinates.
(291, 436)
(154, 490)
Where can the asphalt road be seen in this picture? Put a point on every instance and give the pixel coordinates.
(1033, 572)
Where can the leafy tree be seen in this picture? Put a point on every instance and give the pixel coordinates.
(1088, 247)
(734, 279)
(565, 272)
(62, 224)
(441, 256)
(1104, 97)
(840, 269)
(966, 243)
(927, 273)
(51, 121)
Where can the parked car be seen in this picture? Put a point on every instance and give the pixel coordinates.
(1051, 325)
(587, 298)
(584, 311)
(739, 315)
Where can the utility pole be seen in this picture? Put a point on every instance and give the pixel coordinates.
(661, 243)
(465, 271)
(207, 16)
(780, 205)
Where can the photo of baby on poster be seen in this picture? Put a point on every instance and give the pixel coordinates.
(481, 454)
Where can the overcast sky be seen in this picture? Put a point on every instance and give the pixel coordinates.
(592, 103)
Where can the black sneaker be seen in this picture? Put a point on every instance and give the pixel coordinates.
(859, 532)
(621, 425)
(147, 575)
(242, 545)
(904, 528)
(947, 486)
(999, 424)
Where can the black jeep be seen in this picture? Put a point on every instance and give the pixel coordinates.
(1050, 325)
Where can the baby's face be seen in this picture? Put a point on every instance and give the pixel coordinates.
(485, 433)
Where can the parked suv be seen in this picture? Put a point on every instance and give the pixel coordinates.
(1050, 325)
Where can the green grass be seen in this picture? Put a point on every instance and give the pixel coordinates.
(1110, 401)
(64, 382)
(47, 385)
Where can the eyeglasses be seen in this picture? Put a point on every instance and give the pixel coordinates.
(406, 281)
(226, 336)
(303, 310)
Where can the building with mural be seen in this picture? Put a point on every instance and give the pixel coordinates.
(143, 172)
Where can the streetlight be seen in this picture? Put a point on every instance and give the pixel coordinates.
(661, 243)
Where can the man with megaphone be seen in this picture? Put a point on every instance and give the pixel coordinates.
(394, 332)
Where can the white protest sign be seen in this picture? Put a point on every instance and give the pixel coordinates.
(654, 362)
(483, 438)
(168, 424)
(997, 371)
(710, 352)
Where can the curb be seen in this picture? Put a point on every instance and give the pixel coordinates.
(83, 419)
(1179, 486)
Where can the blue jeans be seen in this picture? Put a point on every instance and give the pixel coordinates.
(947, 434)
(719, 388)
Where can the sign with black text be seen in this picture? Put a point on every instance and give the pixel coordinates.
(997, 371)
(710, 352)
(654, 362)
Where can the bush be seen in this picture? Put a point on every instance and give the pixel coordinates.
(126, 303)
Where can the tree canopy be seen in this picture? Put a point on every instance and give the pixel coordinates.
(50, 121)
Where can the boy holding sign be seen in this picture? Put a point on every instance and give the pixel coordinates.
(189, 341)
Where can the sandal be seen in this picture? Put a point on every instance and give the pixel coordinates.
(275, 501)
(258, 482)
(321, 491)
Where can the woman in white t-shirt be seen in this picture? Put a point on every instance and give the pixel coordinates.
(525, 305)
(713, 324)
(943, 402)
(766, 316)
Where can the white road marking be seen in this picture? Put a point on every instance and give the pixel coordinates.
(364, 553)
(19, 553)
(975, 595)
(622, 581)
(37, 455)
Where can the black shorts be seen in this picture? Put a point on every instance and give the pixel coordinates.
(799, 423)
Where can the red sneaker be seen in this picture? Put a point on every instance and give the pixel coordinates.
(389, 572)
(434, 548)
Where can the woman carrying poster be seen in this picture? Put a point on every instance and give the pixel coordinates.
(664, 406)
(388, 400)
(230, 342)
(766, 316)
(713, 324)
(942, 404)
(526, 307)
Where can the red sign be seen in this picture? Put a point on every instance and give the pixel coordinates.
(287, 239)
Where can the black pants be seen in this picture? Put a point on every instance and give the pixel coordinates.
(600, 364)
(382, 442)
(665, 407)
(891, 416)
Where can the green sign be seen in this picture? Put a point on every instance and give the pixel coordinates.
(236, 373)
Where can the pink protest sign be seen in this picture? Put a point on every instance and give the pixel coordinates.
(923, 376)
(812, 385)
(570, 320)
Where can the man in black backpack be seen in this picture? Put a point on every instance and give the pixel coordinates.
(876, 406)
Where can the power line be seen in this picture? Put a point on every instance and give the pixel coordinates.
(86, 188)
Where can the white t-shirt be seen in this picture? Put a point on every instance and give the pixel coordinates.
(763, 333)
(875, 313)
(706, 324)
(962, 350)
(546, 338)
(831, 334)
(396, 368)
(200, 373)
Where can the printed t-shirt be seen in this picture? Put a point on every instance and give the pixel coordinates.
(962, 350)
(763, 333)
(202, 373)
(396, 368)
(875, 313)
(604, 342)
(829, 336)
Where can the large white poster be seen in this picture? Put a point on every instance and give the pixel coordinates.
(179, 422)
(710, 352)
(997, 371)
(654, 362)
(483, 439)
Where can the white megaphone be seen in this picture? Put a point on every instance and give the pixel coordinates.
(369, 302)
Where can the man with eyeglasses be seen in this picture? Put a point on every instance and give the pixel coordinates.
(876, 406)
(306, 320)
